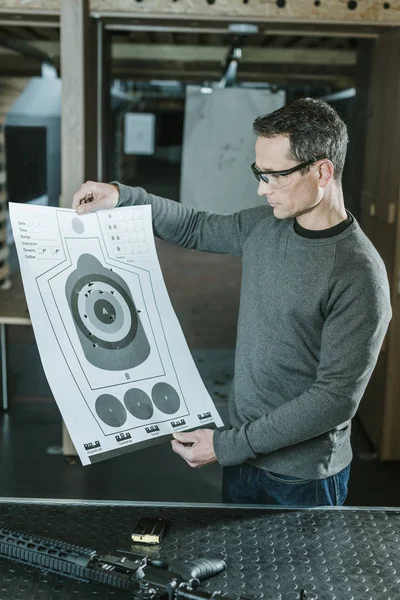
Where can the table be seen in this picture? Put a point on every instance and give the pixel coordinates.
(271, 553)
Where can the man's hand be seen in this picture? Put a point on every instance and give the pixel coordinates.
(93, 196)
(201, 452)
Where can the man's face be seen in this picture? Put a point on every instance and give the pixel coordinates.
(291, 195)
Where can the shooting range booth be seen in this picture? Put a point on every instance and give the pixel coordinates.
(88, 61)
(93, 47)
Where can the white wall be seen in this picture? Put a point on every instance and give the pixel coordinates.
(218, 147)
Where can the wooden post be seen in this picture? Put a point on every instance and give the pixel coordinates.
(380, 409)
(356, 155)
(104, 132)
(79, 122)
(79, 97)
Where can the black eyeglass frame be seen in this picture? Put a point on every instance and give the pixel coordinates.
(259, 174)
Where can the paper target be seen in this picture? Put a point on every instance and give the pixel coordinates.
(114, 354)
(105, 316)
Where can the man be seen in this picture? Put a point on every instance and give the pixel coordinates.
(315, 307)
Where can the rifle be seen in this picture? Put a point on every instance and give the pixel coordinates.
(146, 578)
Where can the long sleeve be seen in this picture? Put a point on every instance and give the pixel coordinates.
(357, 320)
(209, 232)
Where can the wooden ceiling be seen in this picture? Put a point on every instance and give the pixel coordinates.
(358, 12)
(196, 52)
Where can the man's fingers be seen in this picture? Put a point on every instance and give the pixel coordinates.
(89, 206)
(178, 447)
(184, 451)
(86, 190)
(186, 437)
(195, 447)
(95, 196)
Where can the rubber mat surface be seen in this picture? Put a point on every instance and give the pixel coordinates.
(334, 554)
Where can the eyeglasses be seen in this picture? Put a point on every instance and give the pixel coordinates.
(277, 179)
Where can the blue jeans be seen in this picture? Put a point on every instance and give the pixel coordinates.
(245, 484)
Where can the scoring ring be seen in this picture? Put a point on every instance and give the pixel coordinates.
(112, 345)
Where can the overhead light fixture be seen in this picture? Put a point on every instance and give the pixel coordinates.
(341, 95)
(170, 83)
(243, 28)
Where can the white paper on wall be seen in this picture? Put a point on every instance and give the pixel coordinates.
(218, 147)
(111, 345)
(139, 133)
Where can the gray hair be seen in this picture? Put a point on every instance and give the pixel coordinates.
(314, 128)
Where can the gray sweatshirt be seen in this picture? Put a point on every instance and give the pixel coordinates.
(313, 315)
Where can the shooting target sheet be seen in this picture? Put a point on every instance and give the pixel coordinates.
(111, 345)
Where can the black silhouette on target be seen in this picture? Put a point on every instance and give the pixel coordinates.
(105, 317)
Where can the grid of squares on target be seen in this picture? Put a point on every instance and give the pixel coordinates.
(125, 231)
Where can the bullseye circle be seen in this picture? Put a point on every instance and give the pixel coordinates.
(166, 398)
(110, 410)
(104, 312)
(138, 404)
(108, 330)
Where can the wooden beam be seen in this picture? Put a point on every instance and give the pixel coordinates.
(390, 187)
(31, 6)
(79, 117)
(270, 75)
(250, 54)
(340, 79)
(79, 114)
(104, 119)
(358, 126)
(215, 32)
(190, 53)
(17, 21)
(172, 25)
(381, 222)
(372, 12)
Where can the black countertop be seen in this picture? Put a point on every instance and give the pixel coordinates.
(271, 553)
